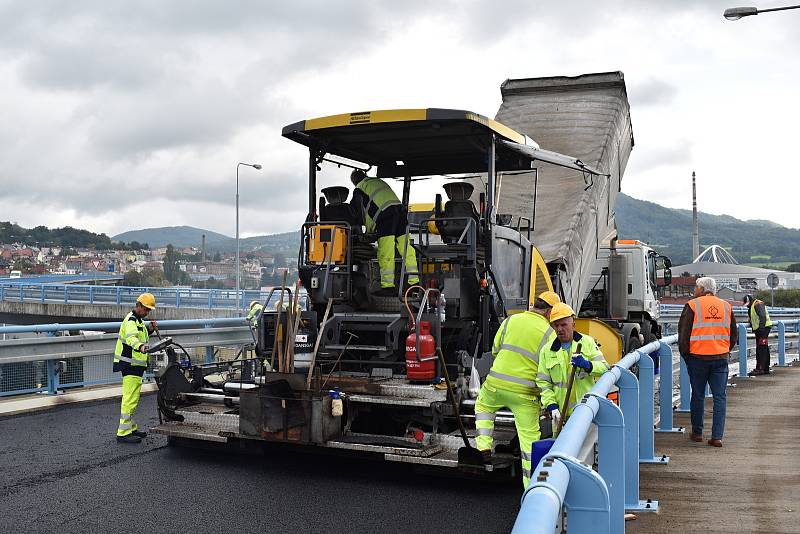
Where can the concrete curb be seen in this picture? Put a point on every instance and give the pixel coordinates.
(38, 402)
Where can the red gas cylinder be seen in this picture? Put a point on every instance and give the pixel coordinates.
(424, 369)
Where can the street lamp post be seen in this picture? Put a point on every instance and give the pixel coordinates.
(257, 167)
(735, 13)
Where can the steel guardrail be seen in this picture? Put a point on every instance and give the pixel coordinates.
(171, 297)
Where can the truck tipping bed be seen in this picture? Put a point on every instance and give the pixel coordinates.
(587, 117)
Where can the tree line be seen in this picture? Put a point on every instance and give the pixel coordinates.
(62, 237)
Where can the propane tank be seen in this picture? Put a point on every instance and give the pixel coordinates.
(424, 369)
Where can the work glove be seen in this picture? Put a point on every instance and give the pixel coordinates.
(555, 414)
(581, 362)
(144, 348)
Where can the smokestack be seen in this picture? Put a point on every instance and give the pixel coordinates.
(695, 225)
(203, 248)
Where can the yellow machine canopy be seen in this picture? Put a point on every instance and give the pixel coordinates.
(414, 142)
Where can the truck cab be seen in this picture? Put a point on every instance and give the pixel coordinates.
(624, 289)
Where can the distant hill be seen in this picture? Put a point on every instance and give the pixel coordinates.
(670, 230)
(189, 236)
(179, 236)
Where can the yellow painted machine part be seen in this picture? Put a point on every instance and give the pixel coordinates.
(608, 339)
(322, 236)
(540, 277)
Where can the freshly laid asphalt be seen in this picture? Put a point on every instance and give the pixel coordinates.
(62, 471)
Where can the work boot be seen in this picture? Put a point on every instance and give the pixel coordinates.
(696, 437)
(141, 433)
(755, 372)
(130, 438)
(386, 292)
(714, 442)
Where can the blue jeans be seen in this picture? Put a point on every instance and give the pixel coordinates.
(715, 374)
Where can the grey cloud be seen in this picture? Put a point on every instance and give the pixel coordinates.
(651, 92)
(651, 157)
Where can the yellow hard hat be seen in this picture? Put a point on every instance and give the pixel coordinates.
(147, 300)
(550, 297)
(560, 311)
(253, 303)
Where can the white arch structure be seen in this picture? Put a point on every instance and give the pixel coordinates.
(716, 254)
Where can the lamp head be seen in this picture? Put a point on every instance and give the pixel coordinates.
(735, 13)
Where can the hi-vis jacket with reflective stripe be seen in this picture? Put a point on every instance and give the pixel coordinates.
(380, 197)
(759, 316)
(711, 328)
(132, 335)
(517, 346)
(554, 369)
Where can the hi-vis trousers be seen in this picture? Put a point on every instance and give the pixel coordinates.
(526, 410)
(386, 248)
(131, 392)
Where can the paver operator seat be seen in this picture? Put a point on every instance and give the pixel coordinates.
(458, 205)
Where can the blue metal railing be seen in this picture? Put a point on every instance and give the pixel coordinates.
(596, 501)
(172, 297)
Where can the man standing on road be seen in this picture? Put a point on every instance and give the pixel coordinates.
(706, 335)
(130, 359)
(511, 383)
(385, 216)
(761, 324)
(555, 361)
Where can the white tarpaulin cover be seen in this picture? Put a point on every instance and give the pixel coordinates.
(585, 117)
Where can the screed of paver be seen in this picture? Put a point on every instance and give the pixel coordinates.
(751, 484)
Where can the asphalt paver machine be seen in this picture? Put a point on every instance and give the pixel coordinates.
(387, 375)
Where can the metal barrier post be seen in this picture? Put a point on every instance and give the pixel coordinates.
(119, 295)
(210, 299)
(177, 298)
(66, 294)
(91, 294)
(686, 388)
(781, 344)
(611, 458)
(52, 375)
(647, 410)
(41, 293)
(21, 293)
(629, 403)
(209, 350)
(742, 351)
(665, 390)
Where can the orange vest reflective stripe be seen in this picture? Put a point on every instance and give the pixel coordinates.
(711, 329)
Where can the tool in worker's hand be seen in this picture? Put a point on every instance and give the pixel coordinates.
(569, 392)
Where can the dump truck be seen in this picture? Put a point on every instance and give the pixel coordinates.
(388, 374)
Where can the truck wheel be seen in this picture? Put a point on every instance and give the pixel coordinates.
(633, 342)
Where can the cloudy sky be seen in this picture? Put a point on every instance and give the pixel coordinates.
(124, 115)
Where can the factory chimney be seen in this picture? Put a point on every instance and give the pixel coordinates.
(203, 249)
(695, 225)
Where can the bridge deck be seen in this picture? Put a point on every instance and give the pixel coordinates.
(751, 484)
